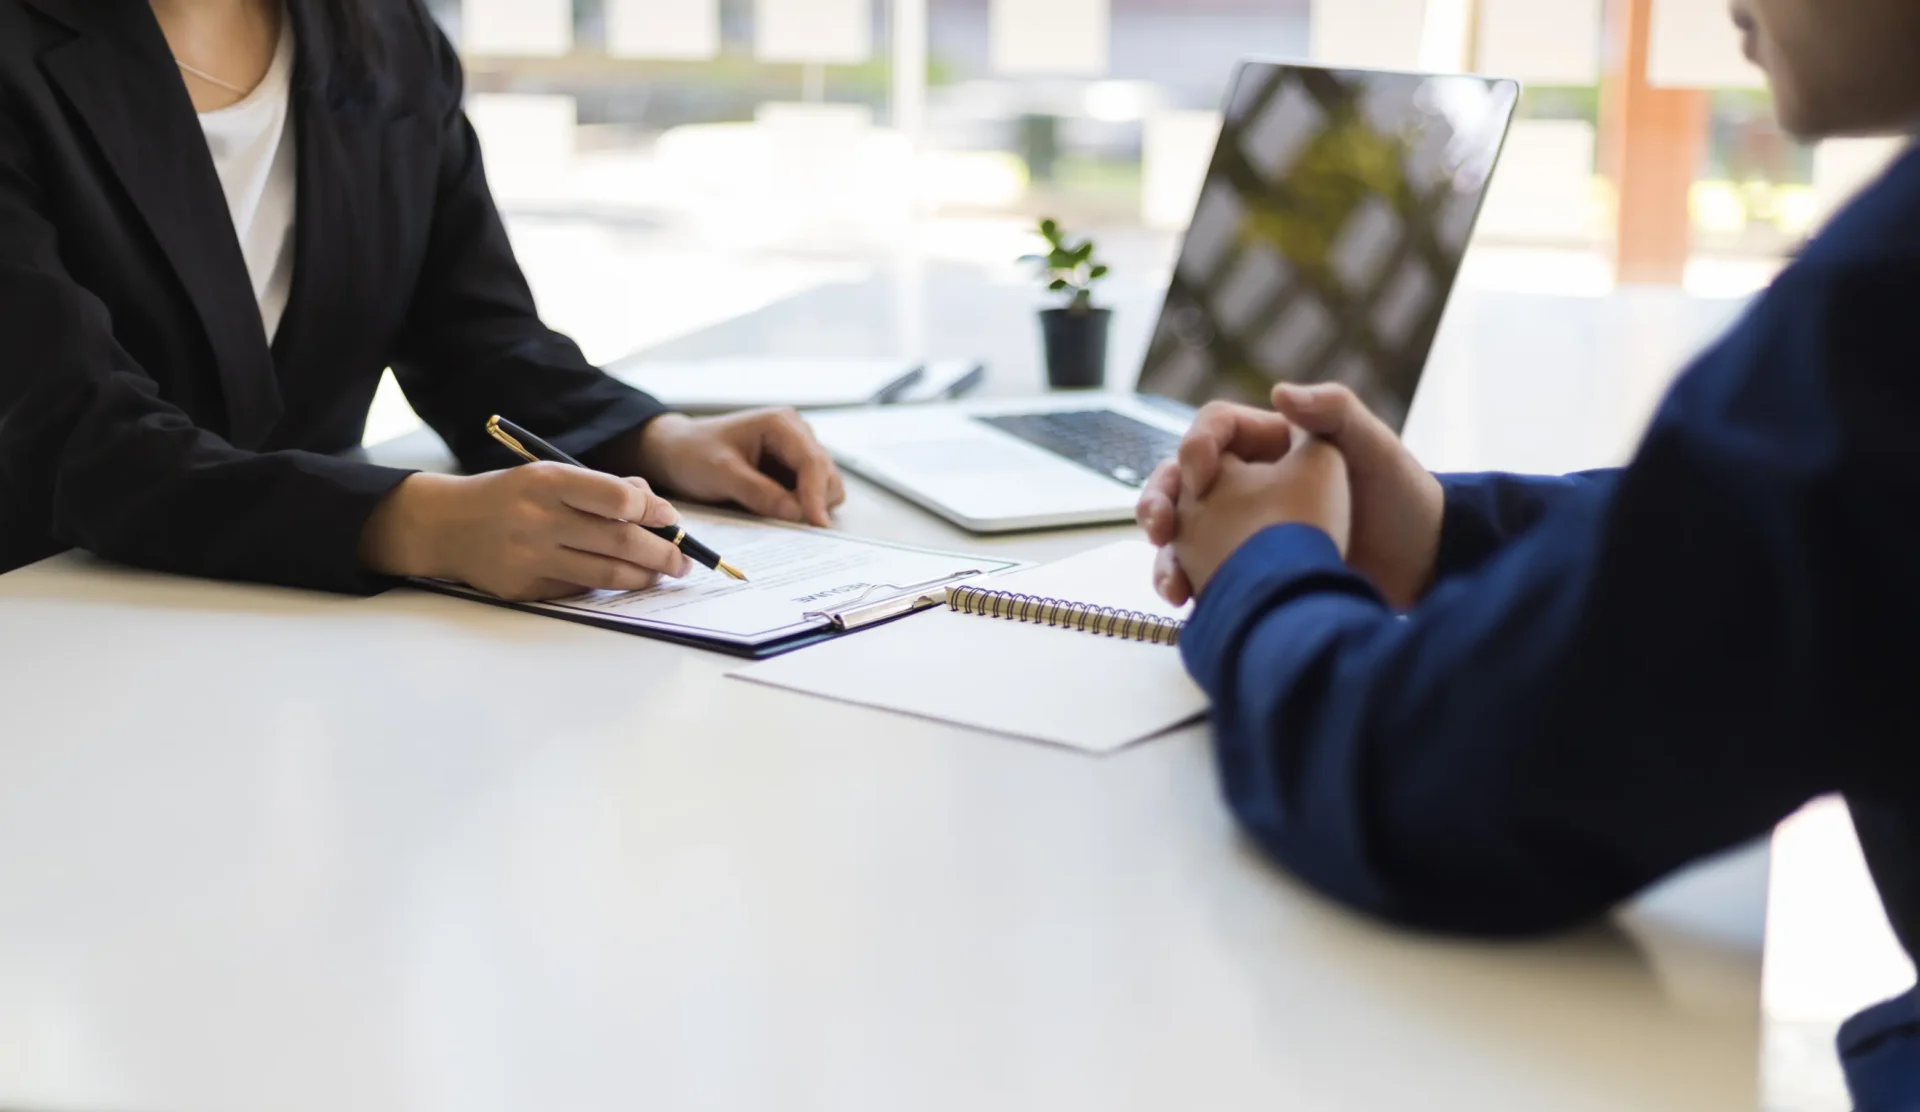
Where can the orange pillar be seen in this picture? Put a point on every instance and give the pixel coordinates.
(1651, 143)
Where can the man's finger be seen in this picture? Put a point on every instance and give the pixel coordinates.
(1170, 579)
(793, 444)
(1233, 468)
(1157, 516)
(1213, 429)
(1157, 512)
(1258, 435)
(1223, 429)
(1335, 414)
(1199, 465)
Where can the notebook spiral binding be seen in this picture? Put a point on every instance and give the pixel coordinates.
(1128, 625)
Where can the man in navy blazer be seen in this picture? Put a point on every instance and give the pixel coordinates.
(1493, 704)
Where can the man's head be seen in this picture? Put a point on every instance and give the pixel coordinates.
(1839, 67)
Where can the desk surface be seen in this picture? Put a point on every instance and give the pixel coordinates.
(272, 850)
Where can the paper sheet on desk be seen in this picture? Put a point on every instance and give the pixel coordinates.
(1054, 685)
(793, 572)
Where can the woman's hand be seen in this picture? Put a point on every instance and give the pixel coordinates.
(541, 531)
(733, 459)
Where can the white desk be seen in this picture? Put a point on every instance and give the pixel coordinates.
(263, 851)
(1830, 953)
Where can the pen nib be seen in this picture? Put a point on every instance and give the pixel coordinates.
(733, 571)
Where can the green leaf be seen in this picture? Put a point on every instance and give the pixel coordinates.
(1098, 273)
(1051, 230)
(1059, 285)
(1062, 260)
(1083, 252)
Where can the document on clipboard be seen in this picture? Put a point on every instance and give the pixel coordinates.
(806, 586)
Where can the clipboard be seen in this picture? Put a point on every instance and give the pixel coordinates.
(814, 586)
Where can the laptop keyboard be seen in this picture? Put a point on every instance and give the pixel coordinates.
(1113, 444)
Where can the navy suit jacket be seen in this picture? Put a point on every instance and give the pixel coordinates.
(1622, 672)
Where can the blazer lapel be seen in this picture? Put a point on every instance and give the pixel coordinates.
(339, 167)
(119, 76)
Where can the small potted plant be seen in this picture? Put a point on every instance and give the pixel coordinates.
(1076, 333)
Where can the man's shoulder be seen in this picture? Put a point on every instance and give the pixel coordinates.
(1880, 226)
(1864, 266)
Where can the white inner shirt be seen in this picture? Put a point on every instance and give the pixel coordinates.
(254, 151)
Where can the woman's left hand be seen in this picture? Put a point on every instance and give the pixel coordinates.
(735, 459)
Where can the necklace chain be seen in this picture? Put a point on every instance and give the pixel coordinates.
(211, 79)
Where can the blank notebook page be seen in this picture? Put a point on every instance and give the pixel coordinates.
(1081, 690)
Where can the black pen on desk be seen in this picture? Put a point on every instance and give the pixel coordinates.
(535, 450)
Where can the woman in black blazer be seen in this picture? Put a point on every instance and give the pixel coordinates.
(147, 415)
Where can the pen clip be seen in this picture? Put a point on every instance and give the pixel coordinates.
(509, 440)
(921, 596)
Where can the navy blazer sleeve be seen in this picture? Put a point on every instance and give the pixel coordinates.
(1485, 512)
(1663, 665)
(1619, 673)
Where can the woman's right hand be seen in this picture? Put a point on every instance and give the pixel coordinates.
(542, 531)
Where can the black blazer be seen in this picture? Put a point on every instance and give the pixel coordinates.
(143, 414)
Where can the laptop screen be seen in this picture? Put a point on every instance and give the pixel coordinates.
(1328, 234)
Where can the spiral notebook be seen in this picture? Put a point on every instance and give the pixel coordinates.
(1079, 617)
(1079, 653)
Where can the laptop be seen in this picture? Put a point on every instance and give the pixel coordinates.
(1324, 247)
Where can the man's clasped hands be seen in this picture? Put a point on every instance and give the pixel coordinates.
(1320, 459)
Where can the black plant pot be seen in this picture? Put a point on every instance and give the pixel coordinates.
(1076, 347)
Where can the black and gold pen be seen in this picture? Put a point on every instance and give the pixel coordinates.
(535, 450)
